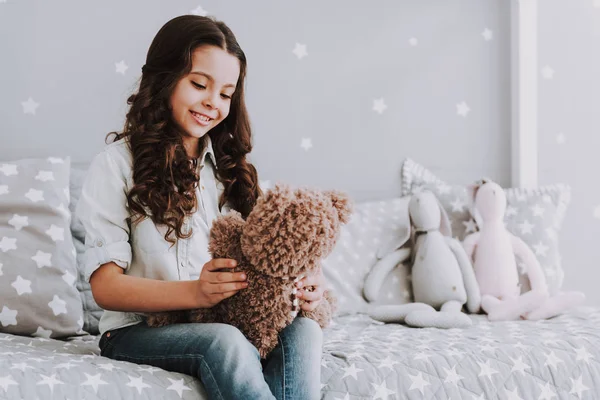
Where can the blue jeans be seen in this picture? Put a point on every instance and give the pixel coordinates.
(228, 365)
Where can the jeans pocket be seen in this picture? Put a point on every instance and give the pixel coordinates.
(107, 339)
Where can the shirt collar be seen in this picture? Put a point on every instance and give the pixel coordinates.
(208, 152)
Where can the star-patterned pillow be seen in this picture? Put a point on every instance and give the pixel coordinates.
(372, 227)
(38, 296)
(534, 215)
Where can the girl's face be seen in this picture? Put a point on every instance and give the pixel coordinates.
(202, 98)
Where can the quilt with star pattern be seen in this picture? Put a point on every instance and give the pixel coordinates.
(362, 359)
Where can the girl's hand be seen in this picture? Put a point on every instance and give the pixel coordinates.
(314, 297)
(214, 284)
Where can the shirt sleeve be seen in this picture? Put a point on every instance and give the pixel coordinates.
(103, 211)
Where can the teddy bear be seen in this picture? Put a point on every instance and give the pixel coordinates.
(493, 249)
(284, 238)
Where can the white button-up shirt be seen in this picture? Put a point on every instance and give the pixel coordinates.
(141, 250)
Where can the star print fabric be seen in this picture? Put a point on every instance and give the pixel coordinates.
(38, 271)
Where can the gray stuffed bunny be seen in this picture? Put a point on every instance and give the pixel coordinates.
(442, 274)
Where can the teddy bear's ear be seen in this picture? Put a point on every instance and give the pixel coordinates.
(225, 235)
(342, 204)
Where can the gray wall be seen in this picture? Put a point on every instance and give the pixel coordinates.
(569, 129)
(62, 54)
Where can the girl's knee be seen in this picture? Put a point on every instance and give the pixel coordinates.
(305, 329)
(226, 338)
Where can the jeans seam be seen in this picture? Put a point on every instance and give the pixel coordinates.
(282, 366)
(195, 356)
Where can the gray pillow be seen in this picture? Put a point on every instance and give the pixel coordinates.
(534, 215)
(372, 227)
(91, 311)
(38, 296)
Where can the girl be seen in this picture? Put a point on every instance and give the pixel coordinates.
(147, 206)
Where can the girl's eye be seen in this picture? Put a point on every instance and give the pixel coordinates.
(199, 86)
(225, 96)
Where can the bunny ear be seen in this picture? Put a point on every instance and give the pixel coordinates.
(445, 225)
(472, 190)
(398, 240)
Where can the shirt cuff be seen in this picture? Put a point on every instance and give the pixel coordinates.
(101, 253)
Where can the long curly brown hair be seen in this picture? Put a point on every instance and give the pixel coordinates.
(164, 178)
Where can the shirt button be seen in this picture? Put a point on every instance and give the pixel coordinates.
(99, 243)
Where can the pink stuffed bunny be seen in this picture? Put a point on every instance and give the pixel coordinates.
(493, 250)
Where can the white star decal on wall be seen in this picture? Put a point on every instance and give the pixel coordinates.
(561, 138)
(29, 106)
(8, 316)
(306, 143)
(45, 176)
(379, 105)
(487, 34)
(300, 51)
(18, 221)
(35, 195)
(462, 109)
(121, 67)
(413, 41)
(9, 169)
(199, 11)
(547, 72)
(21, 285)
(42, 259)
(178, 386)
(55, 160)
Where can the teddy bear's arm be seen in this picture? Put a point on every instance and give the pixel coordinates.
(536, 276)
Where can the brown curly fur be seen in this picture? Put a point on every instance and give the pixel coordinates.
(285, 236)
